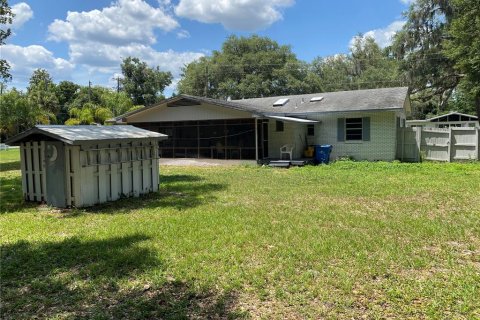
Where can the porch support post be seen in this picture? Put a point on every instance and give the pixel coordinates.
(256, 138)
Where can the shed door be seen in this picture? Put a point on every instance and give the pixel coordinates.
(55, 173)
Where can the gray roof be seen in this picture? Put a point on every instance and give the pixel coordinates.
(383, 99)
(77, 134)
(341, 101)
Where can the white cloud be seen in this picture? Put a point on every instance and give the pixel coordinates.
(245, 15)
(183, 34)
(383, 36)
(23, 13)
(124, 22)
(107, 58)
(99, 40)
(407, 2)
(24, 60)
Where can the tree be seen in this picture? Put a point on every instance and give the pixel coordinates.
(366, 67)
(66, 92)
(89, 113)
(373, 67)
(118, 102)
(143, 84)
(419, 46)
(17, 113)
(41, 92)
(6, 17)
(87, 94)
(335, 73)
(463, 46)
(246, 68)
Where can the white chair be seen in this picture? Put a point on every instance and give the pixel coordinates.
(286, 149)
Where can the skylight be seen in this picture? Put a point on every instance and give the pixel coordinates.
(281, 102)
(316, 99)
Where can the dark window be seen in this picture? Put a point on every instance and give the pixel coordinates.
(310, 130)
(279, 126)
(353, 129)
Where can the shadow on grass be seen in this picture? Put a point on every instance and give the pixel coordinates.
(176, 191)
(11, 195)
(80, 279)
(8, 166)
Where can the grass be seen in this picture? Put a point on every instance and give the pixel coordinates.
(348, 240)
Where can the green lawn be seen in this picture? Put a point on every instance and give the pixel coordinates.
(348, 240)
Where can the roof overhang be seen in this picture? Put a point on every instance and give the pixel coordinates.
(291, 119)
(187, 100)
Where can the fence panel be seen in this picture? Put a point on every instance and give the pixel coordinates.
(464, 144)
(435, 144)
(439, 144)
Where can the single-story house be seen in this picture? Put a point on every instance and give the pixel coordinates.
(362, 124)
(451, 119)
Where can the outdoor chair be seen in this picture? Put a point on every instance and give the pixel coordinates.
(286, 149)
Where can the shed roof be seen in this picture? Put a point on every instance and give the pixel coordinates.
(445, 117)
(75, 135)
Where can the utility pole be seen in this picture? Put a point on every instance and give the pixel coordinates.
(118, 83)
(206, 80)
(89, 91)
(116, 96)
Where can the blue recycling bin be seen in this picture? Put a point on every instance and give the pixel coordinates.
(322, 153)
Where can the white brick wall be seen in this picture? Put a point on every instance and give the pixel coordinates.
(382, 144)
(293, 133)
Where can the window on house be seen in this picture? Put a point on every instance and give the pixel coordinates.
(279, 126)
(353, 129)
(310, 130)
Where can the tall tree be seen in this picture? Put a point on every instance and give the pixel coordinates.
(463, 46)
(41, 93)
(66, 92)
(6, 18)
(373, 67)
(419, 47)
(335, 73)
(366, 67)
(143, 84)
(245, 68)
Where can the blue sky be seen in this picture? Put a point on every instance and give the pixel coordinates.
(82, 40)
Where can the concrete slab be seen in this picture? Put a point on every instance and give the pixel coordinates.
(189, 162)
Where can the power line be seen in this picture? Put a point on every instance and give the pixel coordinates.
(308, 65)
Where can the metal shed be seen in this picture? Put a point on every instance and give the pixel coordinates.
(86, 165)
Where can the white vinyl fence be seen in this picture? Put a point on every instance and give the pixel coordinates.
(449, 144)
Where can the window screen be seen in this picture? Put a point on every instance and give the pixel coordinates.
(279, 126)
(310, 130)
(353, 129)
